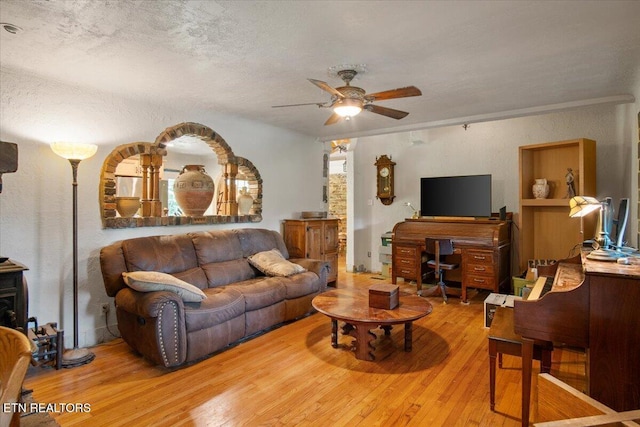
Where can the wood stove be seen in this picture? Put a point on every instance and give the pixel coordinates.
(14, 301)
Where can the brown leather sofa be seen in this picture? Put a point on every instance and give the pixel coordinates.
(240, 301)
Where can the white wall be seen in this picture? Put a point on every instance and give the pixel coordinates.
(35, 205)
(490, 147)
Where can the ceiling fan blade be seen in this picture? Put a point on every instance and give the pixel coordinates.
(319, 104)
(389, 112)
(402, 92)
(324, 86)
(334, 118)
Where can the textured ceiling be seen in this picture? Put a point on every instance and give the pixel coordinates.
(473, 60)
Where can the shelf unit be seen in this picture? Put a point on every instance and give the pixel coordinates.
(546, 230)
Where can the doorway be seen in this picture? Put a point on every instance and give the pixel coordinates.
(340, 191)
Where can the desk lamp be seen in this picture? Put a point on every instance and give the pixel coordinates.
(583, 205)
(75, 153)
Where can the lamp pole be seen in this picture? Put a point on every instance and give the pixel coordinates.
(75, 153)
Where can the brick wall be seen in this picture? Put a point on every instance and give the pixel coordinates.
(338, 203)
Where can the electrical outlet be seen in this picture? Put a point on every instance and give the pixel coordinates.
(105, 307)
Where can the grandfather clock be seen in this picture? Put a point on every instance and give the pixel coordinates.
(384, 172)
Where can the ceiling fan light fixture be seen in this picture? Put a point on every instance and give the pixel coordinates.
(347, 107)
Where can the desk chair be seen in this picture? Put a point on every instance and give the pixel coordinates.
(15, 356)
(439, 248)
(503, 340)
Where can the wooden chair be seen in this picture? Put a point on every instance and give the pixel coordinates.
(503, 340)
(15, 356)
(440, 248)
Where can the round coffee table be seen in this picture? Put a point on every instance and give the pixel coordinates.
(352, 307)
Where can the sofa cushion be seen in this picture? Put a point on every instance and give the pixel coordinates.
(167, 254)
(300, 285)
(221, 305)
(254, 240)
(272, 263)
(150, 281)
(227, 272)
(260, 292)
(216, 246)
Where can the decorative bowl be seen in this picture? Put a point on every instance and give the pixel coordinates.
(127, 206)
(314, 214)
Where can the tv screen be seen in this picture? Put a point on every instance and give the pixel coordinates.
(467, 196)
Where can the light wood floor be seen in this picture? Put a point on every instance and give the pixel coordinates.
(292, 376)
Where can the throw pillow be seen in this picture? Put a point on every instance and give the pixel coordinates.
(149, 281)
(272, 263)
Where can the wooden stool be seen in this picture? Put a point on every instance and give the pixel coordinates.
(503, 340)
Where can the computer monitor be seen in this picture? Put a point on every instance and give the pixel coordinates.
(620, 223)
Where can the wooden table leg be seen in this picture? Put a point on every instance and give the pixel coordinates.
(408, 336)
(493, 350)
(527, 361)
(334, 333)
(363, 338)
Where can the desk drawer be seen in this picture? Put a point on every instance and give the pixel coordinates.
(479, 257)
(405, 262)
(480, 269)
(406, 252)
(406, 272)
(483, 282)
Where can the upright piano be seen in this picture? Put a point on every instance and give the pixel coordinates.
(593, 305)
(482, 246)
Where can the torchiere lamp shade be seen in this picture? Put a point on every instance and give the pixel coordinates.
(74, 151)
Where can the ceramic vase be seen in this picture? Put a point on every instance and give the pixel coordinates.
(245, 202)
(540, 189)
(194, 190)
(127, 206)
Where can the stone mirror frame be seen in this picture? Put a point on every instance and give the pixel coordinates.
(151, 156)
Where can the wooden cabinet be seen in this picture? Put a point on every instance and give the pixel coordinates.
(314, 238)
(546, 230)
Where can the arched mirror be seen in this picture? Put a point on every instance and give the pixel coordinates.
(151, 184)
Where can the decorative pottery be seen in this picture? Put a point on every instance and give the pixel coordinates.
(313, 214)
(245, 202)
(193, 190)
(540, 189)
(127, 206)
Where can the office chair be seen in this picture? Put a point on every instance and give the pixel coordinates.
(439, 248)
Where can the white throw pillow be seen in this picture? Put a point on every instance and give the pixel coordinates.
(272, 263)
(149, 281)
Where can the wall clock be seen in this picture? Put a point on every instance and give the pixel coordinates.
(384, 170)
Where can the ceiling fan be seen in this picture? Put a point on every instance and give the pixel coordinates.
(348, 101)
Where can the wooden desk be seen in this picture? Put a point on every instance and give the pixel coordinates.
(482, 246)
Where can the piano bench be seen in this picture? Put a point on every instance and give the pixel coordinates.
(503, 340)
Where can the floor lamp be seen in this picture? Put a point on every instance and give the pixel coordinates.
(75, 153)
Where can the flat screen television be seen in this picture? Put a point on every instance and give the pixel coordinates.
(462, 196)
